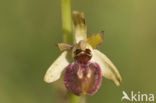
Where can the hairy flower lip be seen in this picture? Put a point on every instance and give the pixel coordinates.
(80, 83)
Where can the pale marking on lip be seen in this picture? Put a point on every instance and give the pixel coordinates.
(89, 73)
(80, 74)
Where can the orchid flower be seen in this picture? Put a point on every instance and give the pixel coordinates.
(83, 65)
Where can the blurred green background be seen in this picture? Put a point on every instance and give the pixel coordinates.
(29, 30)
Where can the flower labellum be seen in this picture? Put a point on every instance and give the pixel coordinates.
(84, 65)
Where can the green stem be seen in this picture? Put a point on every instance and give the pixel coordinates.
(73, 98)
(66, 21)
(67, 36)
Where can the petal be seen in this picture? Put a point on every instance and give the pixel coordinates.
(64, 46)
(54, 71)
(95, 39)
(108, 69)
(80, 29)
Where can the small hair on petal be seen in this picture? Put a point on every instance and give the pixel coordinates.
(108, 69)
(54, 71)
(64, 46)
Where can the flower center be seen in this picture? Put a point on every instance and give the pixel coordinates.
(82, 56)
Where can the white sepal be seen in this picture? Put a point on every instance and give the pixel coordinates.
(80, 29)
(54, 71)
(108, 69)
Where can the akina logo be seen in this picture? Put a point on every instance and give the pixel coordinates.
(137, 96)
